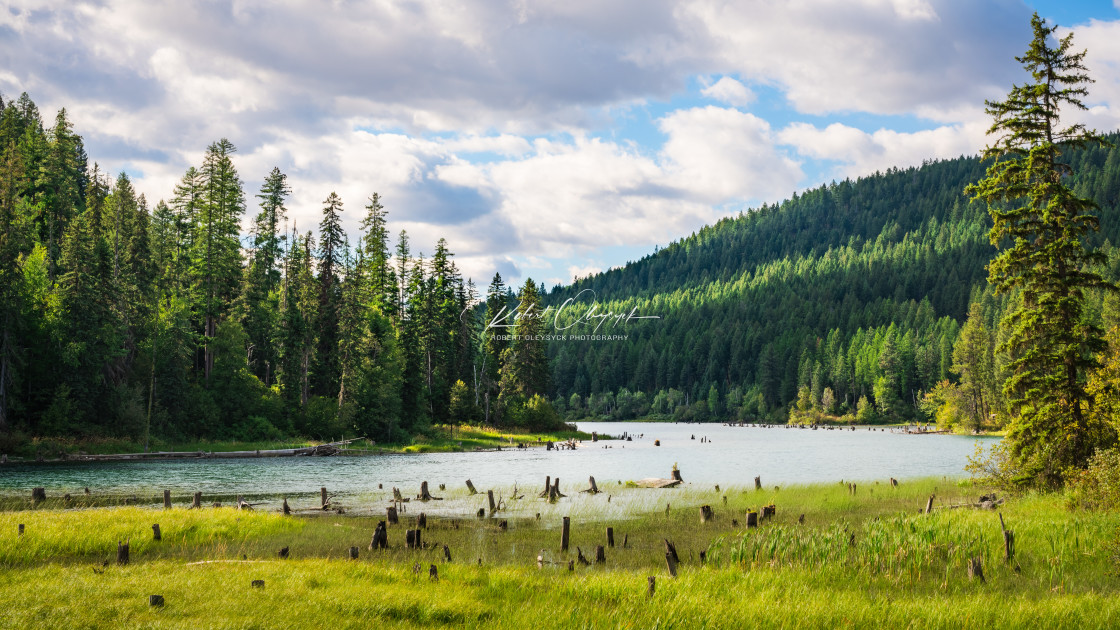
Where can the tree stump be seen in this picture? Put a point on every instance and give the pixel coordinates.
(353, 553)
(122, 553)
(490, 500)
(283, 553)
(975, 569)
(326, 501)
(481, 512)
(442, 486)
(675, 474)
(752, 519)
(391, 514)
(801, 520)
(155, 532)
(503, 525)
(929, 504)
(424, 495)
(671, 549)
(412, 539)
(21, 529)
(196, 504)
(556, 488)
(446, 554)
(894, 482)
(547, 487)
(703, 557)
(610, 537)
(155, 600)
(397, 495)
(591, 488)
(257, 584)
(657, 442)
(38, 495)
(666, 509)
(625, 541)
(287, 510)
(167, 499)
(564, 534)
(380, 537)
(705, 513)
(600, 555)
(422, 521)
(1008, 541)
(768, 511)
(582, 560)
(758, 483)
(652, 581)
(571, 565)
(433, 573)
(470, 486)
(671, 563)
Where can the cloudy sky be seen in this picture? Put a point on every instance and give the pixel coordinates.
(541, 138)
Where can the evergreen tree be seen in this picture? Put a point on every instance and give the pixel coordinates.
(494, 342)
(375, 250)
(1040, 222)
(261, 293)
(525, 362)
(331, 251)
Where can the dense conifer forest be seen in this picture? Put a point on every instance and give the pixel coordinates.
(862, 300)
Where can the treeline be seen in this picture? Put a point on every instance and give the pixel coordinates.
(123, 318)
(861, 300)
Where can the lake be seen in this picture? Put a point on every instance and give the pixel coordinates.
(718, 455)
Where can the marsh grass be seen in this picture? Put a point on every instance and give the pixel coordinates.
(901, 569)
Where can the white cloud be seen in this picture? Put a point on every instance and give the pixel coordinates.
(730, 91)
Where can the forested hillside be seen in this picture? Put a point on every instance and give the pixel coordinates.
(854, 290)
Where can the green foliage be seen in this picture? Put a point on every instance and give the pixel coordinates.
(533, 414)
(1097, 486)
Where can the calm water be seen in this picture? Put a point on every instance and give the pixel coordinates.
(732, 456)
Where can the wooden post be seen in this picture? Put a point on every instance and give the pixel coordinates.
(196, 504)
(446, 554)
(600, 555)
(671, 563)
(610, 537)
(323, 496)
(470, 486)
(752, 519)
(122, 552)
(705, 513)
(758, 483)
(167, 499)
(929, 504)
(155, 600)
(391, 514)
(38, 494)
(490, 499)
(155, 532)
(353, 553)
(564, 534)
(652, 581)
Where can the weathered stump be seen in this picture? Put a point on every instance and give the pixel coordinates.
(422, 521)
(353, 553)
(21, 529)
(490, 500)
(446, 554)
(801, 520)
(481, 512)
(929, 504)
(122, 552)
(155, 532)
(600, 555)
(433, 573)
(657, 442)
(547, 487)
(571, 565)
(283, 553)
(894, 482)
(564, 534)
(155, 600)
(287, 510)
(257, 584)
(975, 569)
(397, 495)
(470, 486)
(671, 563)
(594, 436)
(38, 494)
(412, 539)
(752, 519)
(196, 504)
(579, 556)
(380, 537)
(503, 525)
(325, 500)
(167, 499)
(705, 513)
(671, 550)
(676, 475)
(610, 537)
(625, 541)
(703, 557)
(758, 483)
(425, 495)
(652, 581)
(391, 514)
(768, 511)
(556, 488)
(592, 488)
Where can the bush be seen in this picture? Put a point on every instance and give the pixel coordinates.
(535, 414)
(1097, 487)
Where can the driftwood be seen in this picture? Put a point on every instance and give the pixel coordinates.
(653, 482)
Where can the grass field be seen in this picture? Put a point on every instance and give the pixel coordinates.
(868, 559)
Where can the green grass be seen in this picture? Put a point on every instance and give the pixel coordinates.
(901, 569)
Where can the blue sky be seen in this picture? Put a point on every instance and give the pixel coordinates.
(544, 139)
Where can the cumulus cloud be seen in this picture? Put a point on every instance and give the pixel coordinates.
(730, 91)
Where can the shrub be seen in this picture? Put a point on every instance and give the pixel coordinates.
(1097, 487)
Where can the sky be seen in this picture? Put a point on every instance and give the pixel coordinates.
(542, 139)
